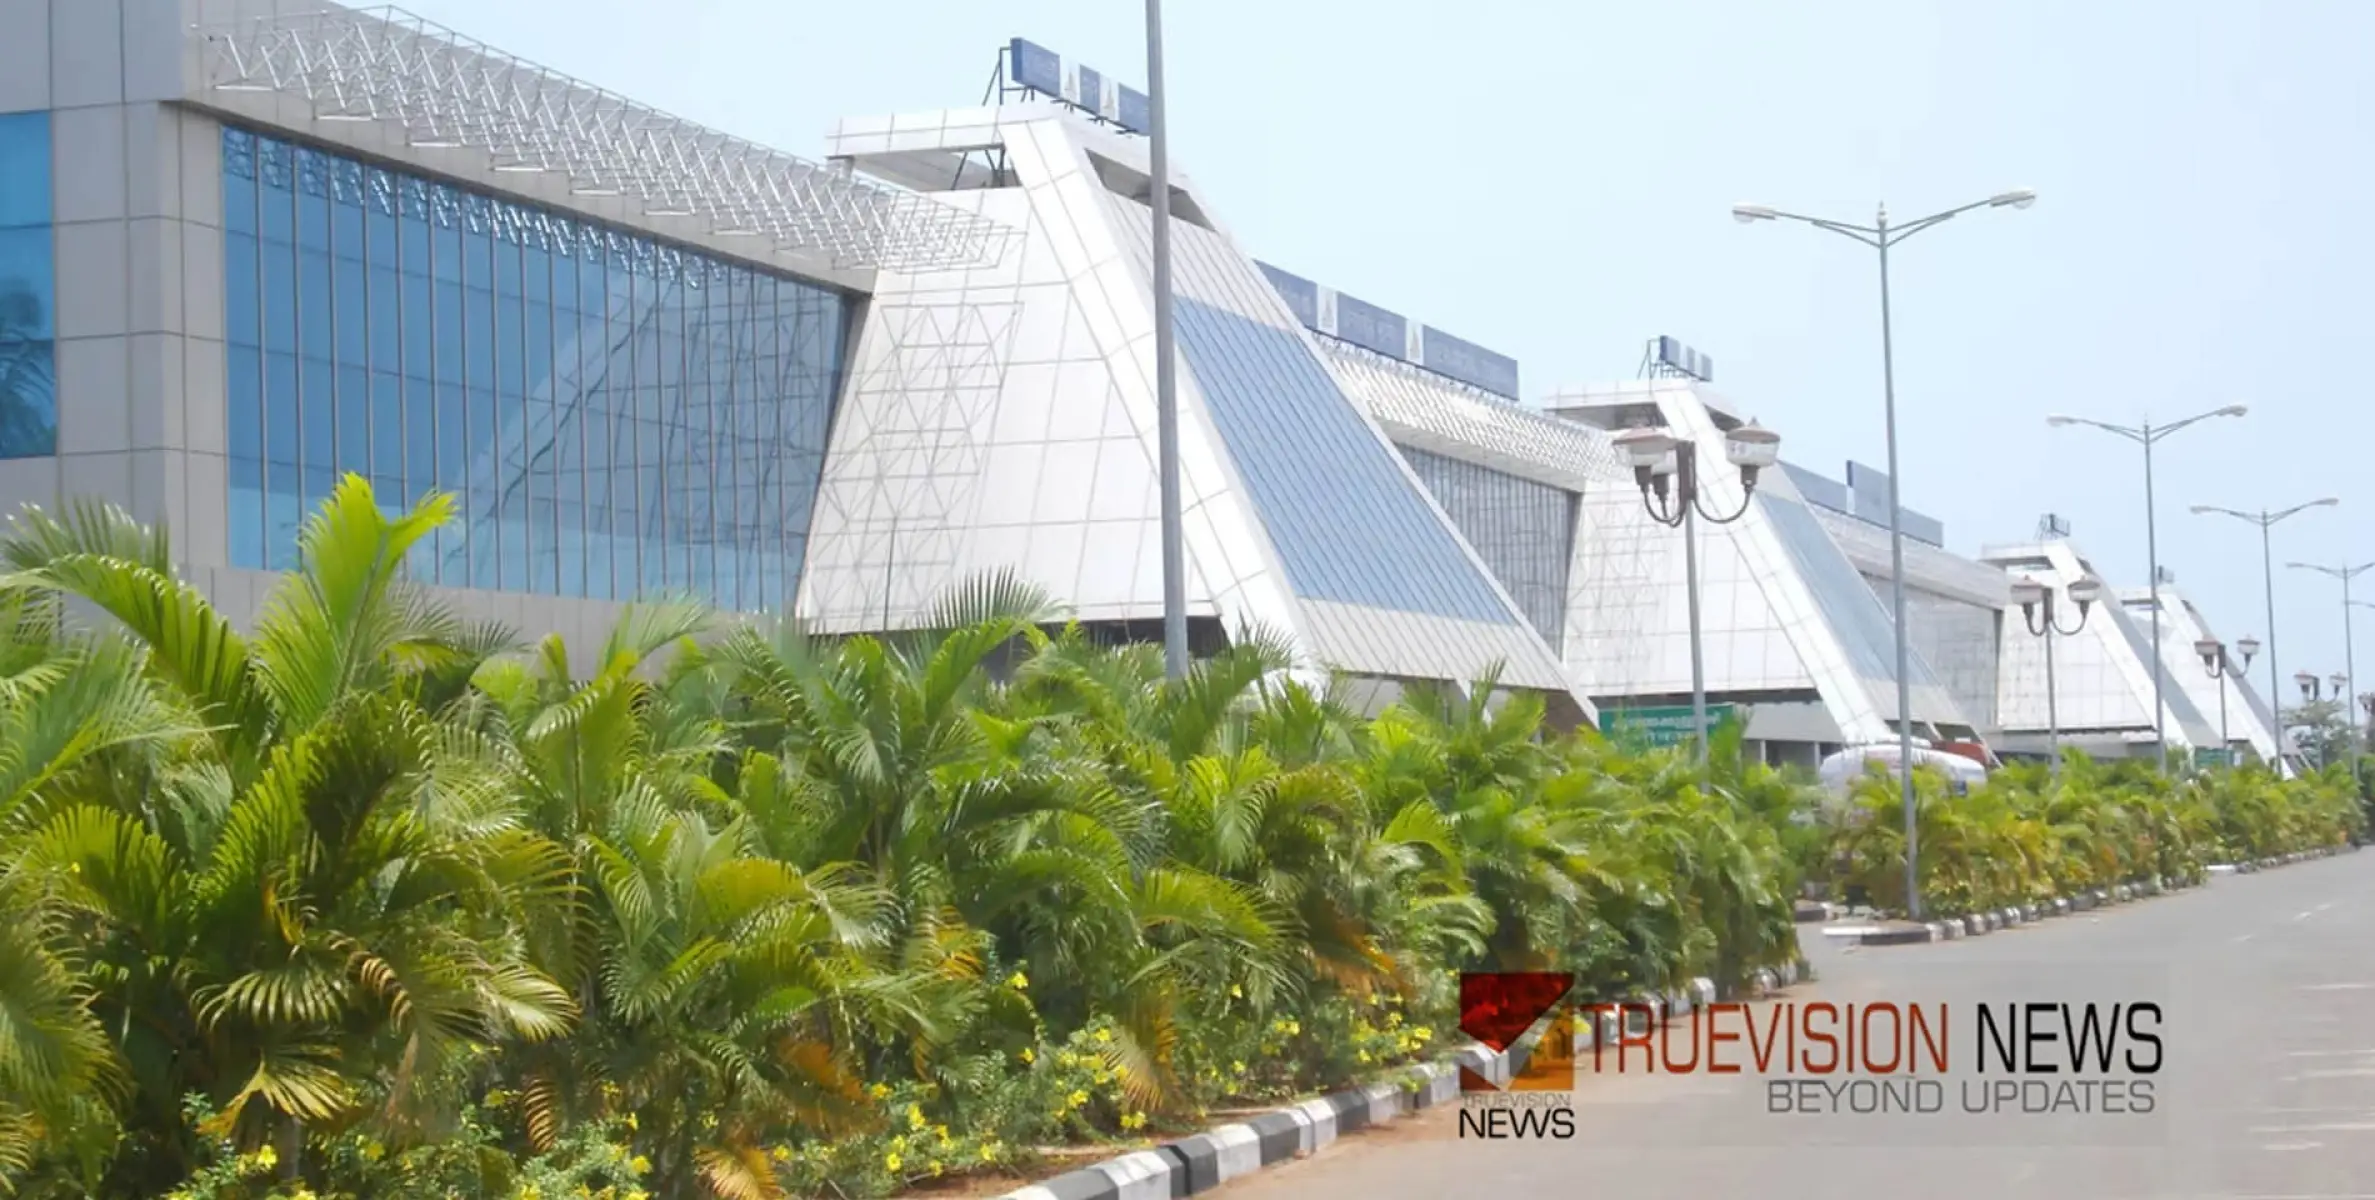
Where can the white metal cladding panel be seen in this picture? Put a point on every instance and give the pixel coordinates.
(2183, 721)
(2100, 683)
(1628, 629)
(1418, 407)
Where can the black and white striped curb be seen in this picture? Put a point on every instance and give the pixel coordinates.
(1207, 1160)
(1980, 924)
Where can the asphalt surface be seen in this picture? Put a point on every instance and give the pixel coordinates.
(2266, 1091)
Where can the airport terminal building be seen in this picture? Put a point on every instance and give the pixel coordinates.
(250, 246)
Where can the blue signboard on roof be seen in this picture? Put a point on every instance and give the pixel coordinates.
(1036, 67)
(1467, 362)
(1092, 91)
(1301, 295)
(1372, 328)
(1334, 314)
(1133, 112)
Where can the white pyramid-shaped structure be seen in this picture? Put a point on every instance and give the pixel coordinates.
(1006, 418)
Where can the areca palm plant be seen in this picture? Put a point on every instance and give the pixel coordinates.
(998, 827)
(717, 979)
(309, 912)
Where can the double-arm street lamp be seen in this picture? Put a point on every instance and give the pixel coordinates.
(2311, 695)
(2216, 662)
(2036, 611)
(2350, 658)
(1667, 469)
(2146, 435)
(1882, 236)
(2267, 520)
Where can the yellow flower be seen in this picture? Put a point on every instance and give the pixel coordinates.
(915, 1116)
(780, 1154)
(266, 1156)
(630, 1120)
(989, 1151)
(1364, 1056)
(1076, 1099)
(527, 1191)
(880, 1091)
(372, 1151)
(1028, 1056)
(1236, 1066)
(1019, 982)
(1104, 1037)
(1100, 1079)
(1236, 993)
(941, 1132)
(639, 1164)
(933, 1166)
(496, 1097)
(891, 1161)
(1133, 1120)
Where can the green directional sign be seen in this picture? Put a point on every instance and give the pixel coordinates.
(2210, 756)
(1659, 726)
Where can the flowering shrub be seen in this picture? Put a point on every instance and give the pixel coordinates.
(590, 1162)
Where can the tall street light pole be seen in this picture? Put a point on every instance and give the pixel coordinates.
(2146, 435)
(1667, 469)
(2267, 521)
(1175, 642)
(2350, 658)
(2031, 596)
(1881, 236)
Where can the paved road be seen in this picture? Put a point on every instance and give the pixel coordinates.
(2267, 982)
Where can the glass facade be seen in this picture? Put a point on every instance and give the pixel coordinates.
(1840, 592)
(28, 290)
(1344, 518)
(1522, 529)
(616, 417)
(1958, 641)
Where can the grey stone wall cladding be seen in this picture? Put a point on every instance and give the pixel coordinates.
(1201, 1162)
(1979, 924)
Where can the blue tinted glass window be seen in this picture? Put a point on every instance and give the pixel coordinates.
(1366, 537)
(25, 181)
(28, 290)
(614, 417)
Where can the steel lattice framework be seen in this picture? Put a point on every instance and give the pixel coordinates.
(447, 90)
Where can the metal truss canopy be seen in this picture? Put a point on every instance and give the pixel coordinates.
(443, 89)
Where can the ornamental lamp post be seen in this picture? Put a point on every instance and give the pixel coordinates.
(2036, 612)
(1666, 468)
(2219, 667)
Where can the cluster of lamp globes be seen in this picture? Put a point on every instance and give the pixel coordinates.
(1653, 451)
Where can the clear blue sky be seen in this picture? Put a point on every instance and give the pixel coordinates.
(1552, 180)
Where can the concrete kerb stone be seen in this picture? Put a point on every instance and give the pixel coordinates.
(1200, 1162)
